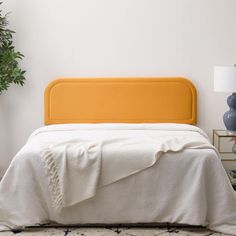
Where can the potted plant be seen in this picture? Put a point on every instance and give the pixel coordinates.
(10, 72)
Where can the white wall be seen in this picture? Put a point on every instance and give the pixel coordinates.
(75, 38)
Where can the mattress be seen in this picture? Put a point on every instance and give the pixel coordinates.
(187, 187)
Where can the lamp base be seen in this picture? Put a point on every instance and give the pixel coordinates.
(230, 116)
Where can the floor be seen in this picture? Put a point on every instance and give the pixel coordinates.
(113, 231)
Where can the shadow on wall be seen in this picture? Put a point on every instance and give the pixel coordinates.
(6, 134)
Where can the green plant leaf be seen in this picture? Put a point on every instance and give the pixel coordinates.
(10, 71)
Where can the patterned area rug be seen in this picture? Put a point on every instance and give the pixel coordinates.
(114, 231)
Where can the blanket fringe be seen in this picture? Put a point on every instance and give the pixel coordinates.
(53, 178)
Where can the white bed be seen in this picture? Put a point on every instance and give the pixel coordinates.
(185, 185)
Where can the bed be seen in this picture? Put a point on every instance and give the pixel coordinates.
(141, 159)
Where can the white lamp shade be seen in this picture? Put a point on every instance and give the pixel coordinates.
(225, 79)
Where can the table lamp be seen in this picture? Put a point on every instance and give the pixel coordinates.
(225, 81)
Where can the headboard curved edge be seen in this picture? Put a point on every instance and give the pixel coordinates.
(120, 100)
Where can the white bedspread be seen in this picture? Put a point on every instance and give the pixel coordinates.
(188, 186)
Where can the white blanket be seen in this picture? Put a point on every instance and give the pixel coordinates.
(189, 186)
(77, 167)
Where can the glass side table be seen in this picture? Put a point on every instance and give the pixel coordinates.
(225, 143)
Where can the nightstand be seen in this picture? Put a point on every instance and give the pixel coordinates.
(223, 142)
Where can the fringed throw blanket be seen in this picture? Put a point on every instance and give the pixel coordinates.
(76, 168)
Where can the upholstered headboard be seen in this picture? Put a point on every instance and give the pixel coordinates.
(126, 100)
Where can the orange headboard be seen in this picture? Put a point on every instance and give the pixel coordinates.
(126, 100)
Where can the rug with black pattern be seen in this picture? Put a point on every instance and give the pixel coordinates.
(114, 231)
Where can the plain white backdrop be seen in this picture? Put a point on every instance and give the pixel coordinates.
(111, 38)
